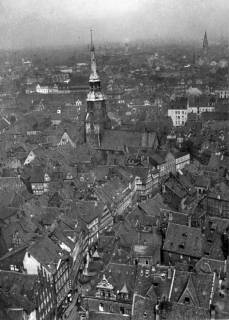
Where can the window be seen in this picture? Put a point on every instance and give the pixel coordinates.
(122, 310)
(186, 300)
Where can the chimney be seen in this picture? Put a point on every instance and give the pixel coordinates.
(212, 312)
(157, 311)
(189, 221)
(169, 273)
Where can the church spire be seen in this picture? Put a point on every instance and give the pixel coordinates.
(205, 43)
(93, 75)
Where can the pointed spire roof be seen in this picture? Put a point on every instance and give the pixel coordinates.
(93, 75)
(205, 42)
(124, 289)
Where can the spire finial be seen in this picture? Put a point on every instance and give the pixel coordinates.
(92, 44)
(93, 76)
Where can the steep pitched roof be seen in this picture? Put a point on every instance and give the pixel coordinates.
(195, 286)
(190, 293)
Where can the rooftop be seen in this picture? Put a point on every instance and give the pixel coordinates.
(184, 240)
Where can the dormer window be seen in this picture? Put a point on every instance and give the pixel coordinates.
(181, 245)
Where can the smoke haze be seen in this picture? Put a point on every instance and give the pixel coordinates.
(31, 23)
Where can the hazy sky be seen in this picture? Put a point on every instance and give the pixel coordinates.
(60, 22)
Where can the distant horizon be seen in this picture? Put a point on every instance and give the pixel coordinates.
(195, 44)
(56, 23)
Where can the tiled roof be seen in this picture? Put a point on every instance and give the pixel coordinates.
(143, 308)
(154, 205)
(184, 240)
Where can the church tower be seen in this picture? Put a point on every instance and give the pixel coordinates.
(205, 45)
(96, 115)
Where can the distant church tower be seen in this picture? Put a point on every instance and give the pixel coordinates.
(205, 45)
(96, 115)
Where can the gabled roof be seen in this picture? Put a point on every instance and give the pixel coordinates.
(190, 293)
(196, 286)
(104, 284)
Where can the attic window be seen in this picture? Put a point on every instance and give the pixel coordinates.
(181, 245)
(147, 273)
(186, 300)
(184, 235)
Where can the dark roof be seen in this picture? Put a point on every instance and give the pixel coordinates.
(184, 240)
(154, 205)
(119, 139)
(6, 212)
(37, 175)
(143, 308)
(47, 253)
(89, 210)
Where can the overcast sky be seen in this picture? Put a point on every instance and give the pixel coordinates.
(59, 22)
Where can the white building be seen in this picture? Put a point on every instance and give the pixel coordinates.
(182, 161)
(178, 116)
(222, 93)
